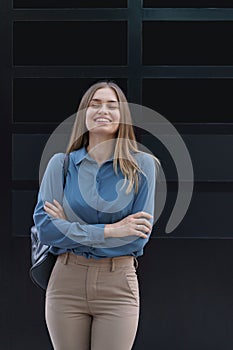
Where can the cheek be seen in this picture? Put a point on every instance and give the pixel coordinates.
(117, 117)
(117, 123)
(88, 119)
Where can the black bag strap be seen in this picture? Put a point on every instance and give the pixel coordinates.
(65, 168)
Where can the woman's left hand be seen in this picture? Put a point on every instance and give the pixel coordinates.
(55, 210)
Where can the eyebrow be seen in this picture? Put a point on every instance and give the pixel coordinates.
(98, 100)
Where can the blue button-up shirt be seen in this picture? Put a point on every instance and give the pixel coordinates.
(93, 196)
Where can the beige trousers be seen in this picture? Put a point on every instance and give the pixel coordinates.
(92, 304)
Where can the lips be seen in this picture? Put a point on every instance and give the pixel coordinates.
(102, 119)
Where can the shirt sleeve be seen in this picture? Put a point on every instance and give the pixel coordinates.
(58, 232)
(145, 198)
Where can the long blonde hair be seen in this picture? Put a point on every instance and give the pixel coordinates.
(125, 138)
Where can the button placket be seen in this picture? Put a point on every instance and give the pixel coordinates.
(97, 188)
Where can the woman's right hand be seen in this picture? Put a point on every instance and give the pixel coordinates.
(132, 225)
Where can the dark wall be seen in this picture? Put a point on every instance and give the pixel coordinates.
(170, 56)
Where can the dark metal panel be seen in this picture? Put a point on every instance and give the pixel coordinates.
(188, 4)
(69, 3)
(211, 155)
(148, 14)
(26, 154)
(5, 176)
(187, 43)
(190, 100)
(63, 43)
(186, 300)
(204, 128)
(209, 214)
(134, 50)
(22, 215)
(186, 14)
(91, 72)
(148, 71)
(70, 14)
(188, 72)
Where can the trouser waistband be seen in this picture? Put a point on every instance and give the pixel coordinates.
(112, 263)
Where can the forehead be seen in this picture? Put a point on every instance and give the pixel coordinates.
(105, 94)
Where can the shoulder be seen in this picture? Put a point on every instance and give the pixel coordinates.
(57, 158)
(52, 168)
(56, 161)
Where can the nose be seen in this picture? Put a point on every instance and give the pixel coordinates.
(103, 108)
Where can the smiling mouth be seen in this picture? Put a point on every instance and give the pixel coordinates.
(102, 120)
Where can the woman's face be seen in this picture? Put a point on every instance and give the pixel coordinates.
(103, 113)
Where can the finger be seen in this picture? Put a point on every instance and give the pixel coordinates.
(53, 207)
(143, 228)
(140, 234)
(50, 212)
(143, 214)
(144, 222)
(50, 205)
(58, 205)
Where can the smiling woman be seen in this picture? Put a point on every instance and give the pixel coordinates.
(97, 226)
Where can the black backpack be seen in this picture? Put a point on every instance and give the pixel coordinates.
(42, 260)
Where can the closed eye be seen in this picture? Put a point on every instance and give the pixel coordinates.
(109, 106)
(112, 106)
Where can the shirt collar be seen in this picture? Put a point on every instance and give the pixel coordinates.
(82, 153)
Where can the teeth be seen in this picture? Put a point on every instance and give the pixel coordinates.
(102, 120)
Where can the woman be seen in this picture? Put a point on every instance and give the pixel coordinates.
(97, 227)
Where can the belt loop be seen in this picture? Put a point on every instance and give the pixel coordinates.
(113, 265)
(65, 258)
(135, 262)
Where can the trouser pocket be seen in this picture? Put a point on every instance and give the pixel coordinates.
(132, 281)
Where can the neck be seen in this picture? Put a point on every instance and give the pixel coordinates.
(101, 150)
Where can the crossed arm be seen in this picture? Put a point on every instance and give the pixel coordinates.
(132, 225)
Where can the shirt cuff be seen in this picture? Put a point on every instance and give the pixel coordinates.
(96, 233)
